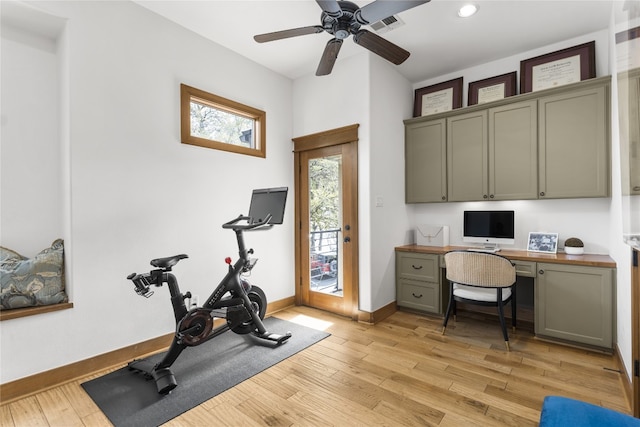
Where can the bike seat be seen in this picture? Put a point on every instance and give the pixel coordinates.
(168, 262)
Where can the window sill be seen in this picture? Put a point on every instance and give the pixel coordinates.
(32, 311)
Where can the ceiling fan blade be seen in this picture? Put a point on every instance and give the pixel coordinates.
(379, 46)
(329, 57)
(331, 7)
(380, 9)
(285, 34)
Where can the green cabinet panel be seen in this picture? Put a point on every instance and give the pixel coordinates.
(573, 143)
(553, 143)
(492, 154)
(467, 157)
(575, 303)
(629, 117)
(418, 281)
(513, 151)
(425, 162)
(423, 296)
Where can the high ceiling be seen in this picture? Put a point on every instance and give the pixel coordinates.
(439, 41)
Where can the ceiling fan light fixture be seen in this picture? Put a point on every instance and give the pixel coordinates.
(467, 10)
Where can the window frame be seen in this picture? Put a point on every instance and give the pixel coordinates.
(189, 94)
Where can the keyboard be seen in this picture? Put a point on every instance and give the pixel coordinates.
(487, 250)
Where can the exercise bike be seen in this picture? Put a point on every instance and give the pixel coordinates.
(235, 300)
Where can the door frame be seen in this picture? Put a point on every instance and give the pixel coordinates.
(338, 136)
(635, 332)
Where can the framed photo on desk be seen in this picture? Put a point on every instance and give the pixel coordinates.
(543, 242)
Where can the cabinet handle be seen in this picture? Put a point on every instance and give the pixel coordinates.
(540, 271)
(636, 188)
(444, 198)
(491, 196)
(416, 268)
(542, 193)
(484, 197)
(416, 296)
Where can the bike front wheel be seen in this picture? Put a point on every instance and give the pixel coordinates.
(259, 306)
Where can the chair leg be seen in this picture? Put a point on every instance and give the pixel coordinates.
(513, 307)
(450, 306)
(502, 322)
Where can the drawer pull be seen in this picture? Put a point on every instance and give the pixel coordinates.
(416, 268)
(416, 296)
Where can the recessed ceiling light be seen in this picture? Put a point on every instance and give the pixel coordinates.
(467, 10)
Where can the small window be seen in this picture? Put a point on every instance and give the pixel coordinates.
(211, 121)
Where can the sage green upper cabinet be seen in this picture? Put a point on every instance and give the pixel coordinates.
(550, 144)
(634, 131)
(574, 143)
(492, 154)
(467, 160)
(629, 116)
(425, 162)
(513, 151)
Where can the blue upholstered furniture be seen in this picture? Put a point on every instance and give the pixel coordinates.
(564, 412)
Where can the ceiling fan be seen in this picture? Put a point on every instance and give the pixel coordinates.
(344, 18)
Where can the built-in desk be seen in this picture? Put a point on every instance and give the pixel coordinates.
(573, 295)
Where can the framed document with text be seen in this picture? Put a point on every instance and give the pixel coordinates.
(558, 68)
(438, 98)
(492, 89)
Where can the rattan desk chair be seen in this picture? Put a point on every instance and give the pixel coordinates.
(484, 279)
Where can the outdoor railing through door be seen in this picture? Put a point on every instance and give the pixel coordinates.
(323, 262)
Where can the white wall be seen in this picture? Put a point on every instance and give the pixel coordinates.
(31, 215)
(136, 192)
(512, 63)
(333, 101)
(390, 102)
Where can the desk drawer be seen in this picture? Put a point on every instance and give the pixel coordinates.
(418, 266)
(525, 268)
(423, 296)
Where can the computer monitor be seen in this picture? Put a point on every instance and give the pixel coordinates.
(267, 201)
(490, 228)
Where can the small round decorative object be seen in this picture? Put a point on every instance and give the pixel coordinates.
(573, 251)
(573, 246)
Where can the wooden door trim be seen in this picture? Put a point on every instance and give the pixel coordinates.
(328, 138)
(635, 330)
(338, 136)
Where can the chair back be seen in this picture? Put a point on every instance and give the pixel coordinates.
(479, 269)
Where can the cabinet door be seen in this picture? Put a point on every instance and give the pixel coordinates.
(425, 162)
(629, 117)
(575, 303)
(634, 133)
(573, 134)
(467, 152)
(513, 151)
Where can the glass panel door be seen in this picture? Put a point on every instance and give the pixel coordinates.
(325, 219)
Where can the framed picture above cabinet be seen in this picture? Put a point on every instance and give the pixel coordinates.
(492, 89)
(438, 98)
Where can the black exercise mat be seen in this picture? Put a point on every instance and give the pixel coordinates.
(202, 372)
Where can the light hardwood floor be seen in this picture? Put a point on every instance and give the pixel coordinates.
(401, 371)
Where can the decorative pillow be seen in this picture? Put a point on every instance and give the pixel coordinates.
(26, 282)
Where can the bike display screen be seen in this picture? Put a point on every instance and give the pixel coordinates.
(267, 201)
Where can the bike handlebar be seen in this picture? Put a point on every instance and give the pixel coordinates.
(233, 224)
(141, 282)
